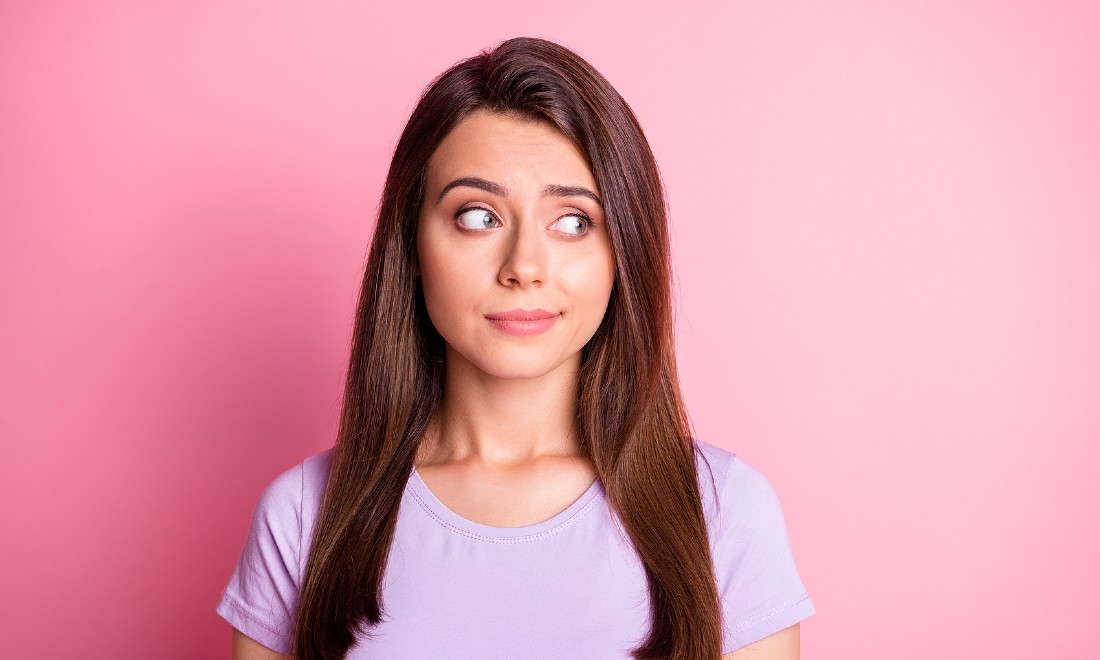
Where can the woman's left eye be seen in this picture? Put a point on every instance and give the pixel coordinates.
(575, 224)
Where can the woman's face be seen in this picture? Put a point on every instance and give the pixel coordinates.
(510, 222)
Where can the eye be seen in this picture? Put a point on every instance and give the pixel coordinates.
(476, 218)
(575, 224)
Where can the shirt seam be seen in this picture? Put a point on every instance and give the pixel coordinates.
(767, 614)
(237, 605)
(723, 500)
(530, 538)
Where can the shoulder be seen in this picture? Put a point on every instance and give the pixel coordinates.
(760, 587)
(298, 484)
(731, 487)
(282, 520)
(742, 508)
(712, 463)
(723, 463)
(297, 491)
(262, 594)
(728, 485)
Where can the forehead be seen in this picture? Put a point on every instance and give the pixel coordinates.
(513, 151)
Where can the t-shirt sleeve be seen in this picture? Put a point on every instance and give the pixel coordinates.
(262, 595)
(758, 582)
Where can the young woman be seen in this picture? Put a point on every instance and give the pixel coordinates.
(514, 475)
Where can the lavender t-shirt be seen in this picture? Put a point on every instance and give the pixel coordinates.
(568, 587)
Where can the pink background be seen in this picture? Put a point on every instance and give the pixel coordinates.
(886, 228)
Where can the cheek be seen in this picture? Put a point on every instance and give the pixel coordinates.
(445, 279)
(432, 280)
(590, 285)
(440, 290)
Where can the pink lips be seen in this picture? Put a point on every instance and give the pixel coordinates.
(523, 322)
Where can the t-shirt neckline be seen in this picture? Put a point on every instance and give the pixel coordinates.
(448, 518)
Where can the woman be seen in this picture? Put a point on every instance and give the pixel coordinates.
(514, 475)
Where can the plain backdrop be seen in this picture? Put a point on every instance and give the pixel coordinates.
(886, 227)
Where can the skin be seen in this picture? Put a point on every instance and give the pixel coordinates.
(503, 449)
(782, 645)
(246, 648)
(505, 430)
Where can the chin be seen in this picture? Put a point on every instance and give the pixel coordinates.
(508, 364)
(516, 369)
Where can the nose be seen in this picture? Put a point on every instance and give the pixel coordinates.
(525, 260)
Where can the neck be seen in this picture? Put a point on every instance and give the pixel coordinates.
(502, 421)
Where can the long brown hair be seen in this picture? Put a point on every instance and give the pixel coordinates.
(631, 418)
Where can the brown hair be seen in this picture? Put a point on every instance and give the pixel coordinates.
(631, 418)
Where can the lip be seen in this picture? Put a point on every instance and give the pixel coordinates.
(521, 315)
(523, 322)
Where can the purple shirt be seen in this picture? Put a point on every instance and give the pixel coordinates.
(571, 586)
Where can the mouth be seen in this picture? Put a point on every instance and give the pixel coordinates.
(522, 315)
(523, 322)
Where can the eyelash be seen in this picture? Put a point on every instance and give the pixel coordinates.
(589, 222)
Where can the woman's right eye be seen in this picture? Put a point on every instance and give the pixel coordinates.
(476, 218)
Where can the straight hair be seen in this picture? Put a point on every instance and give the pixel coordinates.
(632, 422)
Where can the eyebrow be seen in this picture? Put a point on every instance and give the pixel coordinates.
(553, 189)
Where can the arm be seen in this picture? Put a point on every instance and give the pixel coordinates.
(782, 645)
(763, 598)
(260, 600)
(246, 648)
